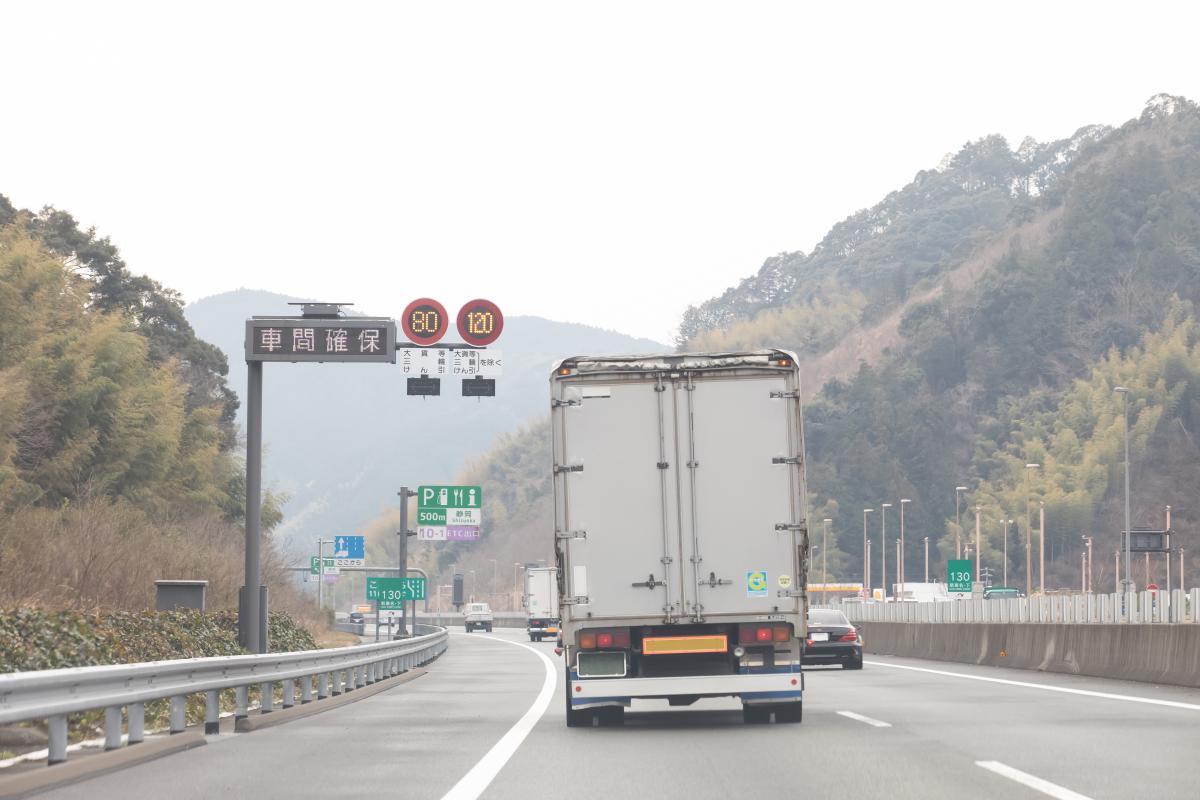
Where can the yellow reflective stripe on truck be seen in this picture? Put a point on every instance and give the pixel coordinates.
(678, 645)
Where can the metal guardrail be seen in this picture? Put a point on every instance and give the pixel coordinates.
(54, 693)
(1140, 608)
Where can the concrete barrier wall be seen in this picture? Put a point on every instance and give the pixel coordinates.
(1166, 654)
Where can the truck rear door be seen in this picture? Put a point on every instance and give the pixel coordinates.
(741, 493)
(618, 514)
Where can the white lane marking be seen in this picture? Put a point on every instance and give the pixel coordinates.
(874, 722)
(1046, 687)
(1032, 781)
(471, 785)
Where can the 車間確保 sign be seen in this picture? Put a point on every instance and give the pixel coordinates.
(341, 339)
(452, 513)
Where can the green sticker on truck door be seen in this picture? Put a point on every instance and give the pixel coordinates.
(756, 583)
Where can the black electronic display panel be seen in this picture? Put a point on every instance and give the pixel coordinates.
(480, 322)
(425, 321)
(297, 339)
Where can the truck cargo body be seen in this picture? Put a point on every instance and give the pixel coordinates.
(680, 530)
(541, 602)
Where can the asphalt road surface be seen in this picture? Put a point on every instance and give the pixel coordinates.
(487, 721)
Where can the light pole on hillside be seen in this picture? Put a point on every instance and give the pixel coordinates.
(866, 552)
(1127, 582)
(883, 507)
(1029, 532)
(958, 490)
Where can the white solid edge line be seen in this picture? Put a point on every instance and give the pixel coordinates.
(1032, 781)
(1046, 687)
(875, 722)
(472, 785)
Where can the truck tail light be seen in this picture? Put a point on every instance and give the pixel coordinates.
(763, 634)
(604, 638)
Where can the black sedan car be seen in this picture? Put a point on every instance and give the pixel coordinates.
(832, 640)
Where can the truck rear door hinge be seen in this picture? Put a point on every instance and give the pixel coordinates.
(561, 403)
(713, 580)
(795, 395)
(570, 534)
(574, 601)
(789, 593)
(787, 460)
(664, 464)
(789, 526)
(649, 583)
(567, 468)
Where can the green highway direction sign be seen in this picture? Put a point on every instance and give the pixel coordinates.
(959, 575)
(391, 592)
(449, 513)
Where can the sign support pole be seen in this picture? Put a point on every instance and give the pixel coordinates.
(404, 493)
(253, 636)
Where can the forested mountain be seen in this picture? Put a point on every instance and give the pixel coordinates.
(117, 443)
(972, 322)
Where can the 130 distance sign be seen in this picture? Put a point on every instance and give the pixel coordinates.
(425, 322)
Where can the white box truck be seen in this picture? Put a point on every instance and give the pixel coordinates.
(541, 602)
(680, 531)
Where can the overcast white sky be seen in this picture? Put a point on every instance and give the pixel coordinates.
(606, 163)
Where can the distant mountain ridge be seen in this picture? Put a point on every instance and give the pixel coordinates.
(340, 439)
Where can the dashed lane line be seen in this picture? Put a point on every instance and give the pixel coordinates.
(1032, 781)
(877, 723)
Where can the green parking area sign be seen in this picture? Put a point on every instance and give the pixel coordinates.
(958, 575)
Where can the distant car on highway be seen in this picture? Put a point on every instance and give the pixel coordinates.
(1001, 592)
(357, 618)
(478, 615)
(832, 639)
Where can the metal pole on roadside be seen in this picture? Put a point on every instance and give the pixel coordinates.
(1124, 392)
(1028, 532)
(404, 533)
(866, 553)
(903, 574)
(320, 574)
(927, 559)
(1042, 547)
(883, 507)
(870, 593)
(958, 522)
(825, 550)
(1168, 554)
(253, 636)
(978, 551)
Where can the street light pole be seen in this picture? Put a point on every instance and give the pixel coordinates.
(866, 553)
(1087, 583)
(883, 507)
(958, 490)
(825, 551)
(870, 594)
(1028, 533)
(927, 559)
(1042, 546)
(1006, 523)
(903, 551)
(1124, 392)
(978, 550)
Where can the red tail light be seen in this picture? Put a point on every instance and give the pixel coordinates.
(762, 634)
(852, 636)
(604, 638)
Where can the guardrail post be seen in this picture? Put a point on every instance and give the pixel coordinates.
(335, 682)
(212, 712)
(137, 723)
(371, 673)
(289, 693)
(306, 690)
(241, 702)
(112, 727)
(178, 718)
(322, 685)
(266, 697)
(360, 677)
(58, 739)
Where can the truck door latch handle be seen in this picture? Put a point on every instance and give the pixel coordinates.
(650, 583)
(713, 580)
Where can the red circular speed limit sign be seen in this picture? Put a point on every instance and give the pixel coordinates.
(480, 322)
(424, 321)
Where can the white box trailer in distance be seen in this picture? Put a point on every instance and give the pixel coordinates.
(541, 602)
(680, 531)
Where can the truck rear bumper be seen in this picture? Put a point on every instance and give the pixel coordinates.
(774, 687)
